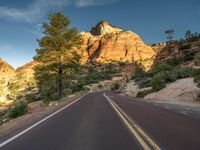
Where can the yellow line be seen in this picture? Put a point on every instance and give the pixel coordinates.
(133, 127)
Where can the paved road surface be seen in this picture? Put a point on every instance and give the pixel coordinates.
(89, 124)
(172, 130)
(92, 124)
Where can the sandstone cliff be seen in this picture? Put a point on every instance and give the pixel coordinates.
(106, 43)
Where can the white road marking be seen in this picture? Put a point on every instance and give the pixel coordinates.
(39, 122)
(184, 112)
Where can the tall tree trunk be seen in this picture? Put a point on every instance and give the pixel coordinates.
(60, 83)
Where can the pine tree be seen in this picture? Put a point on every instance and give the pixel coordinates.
(57, 54)
(188, 35)
(170, 34)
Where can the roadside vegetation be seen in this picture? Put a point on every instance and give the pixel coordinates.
(18, 109)
(56, 74)
(57, 56)
(161, 74)
(168, 71)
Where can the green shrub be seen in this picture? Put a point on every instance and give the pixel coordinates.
(188, 57)
(196, 75)
(115, 87)
(139, 74)
(18, 109)
(197, 59)
(144, 93)
(32, 97)
(158, 82)
(160, 67)
(78, 87)
(3, 116)
(184, 47)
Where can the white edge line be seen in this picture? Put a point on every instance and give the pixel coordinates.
(39, 122)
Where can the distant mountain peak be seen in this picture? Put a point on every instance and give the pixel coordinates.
(104, 27)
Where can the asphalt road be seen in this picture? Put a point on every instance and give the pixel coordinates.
(92, 124)
(89, 124)
(171, 129)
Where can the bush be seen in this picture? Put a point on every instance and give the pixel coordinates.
(18, 109)
(115, 87)
(78, 87)
(188, 57)
(197, 59)
(184, 47)
(32, 97)
(196, 75)
(160, 67)
(158, 82)
(144, 93)
(139, 74)
(3, 116)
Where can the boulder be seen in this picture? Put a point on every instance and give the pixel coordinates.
(181, 90)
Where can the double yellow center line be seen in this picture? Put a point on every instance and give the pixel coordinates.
(144, 140)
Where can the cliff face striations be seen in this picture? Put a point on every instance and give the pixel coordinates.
(106, 43)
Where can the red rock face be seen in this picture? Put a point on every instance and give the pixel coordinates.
(107, 43)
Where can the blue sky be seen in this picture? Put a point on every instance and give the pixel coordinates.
(21, 20)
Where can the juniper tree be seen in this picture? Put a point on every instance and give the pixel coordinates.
(57, 54)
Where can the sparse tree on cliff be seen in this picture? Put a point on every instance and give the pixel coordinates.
(57, 57)
(170, 34)
(188, 35)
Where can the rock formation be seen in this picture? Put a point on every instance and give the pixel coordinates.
(181, 90)
(106, 43)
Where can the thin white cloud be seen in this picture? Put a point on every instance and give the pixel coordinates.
(36, 31)
(39, 8)
(84, 3)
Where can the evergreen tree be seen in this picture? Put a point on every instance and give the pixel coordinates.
(170, 34)
(57, 55)
(188, 35)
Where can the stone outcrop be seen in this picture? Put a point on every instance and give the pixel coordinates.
(181, 90)
(106, 43)
(103, 28)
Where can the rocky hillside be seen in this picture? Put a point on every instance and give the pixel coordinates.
(6, 70)
(185, 52)
(14, 81)
(106, 43)
(27, 70)
(176, 70)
